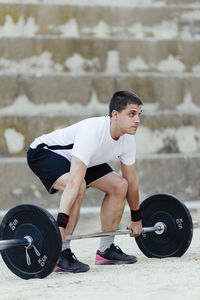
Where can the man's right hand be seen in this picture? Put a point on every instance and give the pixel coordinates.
(136, 228)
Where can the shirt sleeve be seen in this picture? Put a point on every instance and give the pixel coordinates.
(129, 151)
(85, 144)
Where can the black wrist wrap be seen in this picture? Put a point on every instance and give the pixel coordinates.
(136, 215)
(62, 220)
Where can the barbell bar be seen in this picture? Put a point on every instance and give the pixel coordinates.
(6, 244)
(28, 241)
(31, 242)
(113, 233)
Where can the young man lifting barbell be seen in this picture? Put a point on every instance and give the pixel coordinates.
(76, 157)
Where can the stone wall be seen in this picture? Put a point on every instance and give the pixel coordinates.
(61, 62)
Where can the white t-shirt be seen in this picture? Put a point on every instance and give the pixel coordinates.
(91, 142)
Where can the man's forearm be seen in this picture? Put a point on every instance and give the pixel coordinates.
(68, 198)
(133, 197)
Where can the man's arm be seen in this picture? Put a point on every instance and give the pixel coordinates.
(76, 177)
(71, 191)
(129, 173)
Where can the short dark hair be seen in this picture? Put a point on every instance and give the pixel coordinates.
(120, 100)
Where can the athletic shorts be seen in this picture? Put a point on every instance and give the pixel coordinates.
(49, 166)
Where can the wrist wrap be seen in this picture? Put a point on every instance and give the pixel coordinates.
(136, 215)
(62, 220)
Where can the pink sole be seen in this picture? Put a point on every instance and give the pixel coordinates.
(100, 260)
(57, 269)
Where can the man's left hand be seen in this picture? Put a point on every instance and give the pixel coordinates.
(136, 228)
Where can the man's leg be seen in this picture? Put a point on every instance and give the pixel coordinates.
(60, 185)
(115, 187)
(68, 262)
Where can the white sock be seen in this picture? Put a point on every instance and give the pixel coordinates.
(105, 242)
(66, 245)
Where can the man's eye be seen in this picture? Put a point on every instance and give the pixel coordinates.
(132, 115)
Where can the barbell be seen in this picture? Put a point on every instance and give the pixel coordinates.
(30, 240)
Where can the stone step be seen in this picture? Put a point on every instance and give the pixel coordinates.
(33, 105)
(177, 174)
(159, 91)
(108, 3)
(159, 132)
(89, 55)
(150, 20)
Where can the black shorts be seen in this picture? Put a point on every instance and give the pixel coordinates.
(49, 166)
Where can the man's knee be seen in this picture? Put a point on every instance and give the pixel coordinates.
(120, 187)
(123, 186)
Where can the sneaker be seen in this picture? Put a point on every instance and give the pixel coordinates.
(69, 263)
(114, 256)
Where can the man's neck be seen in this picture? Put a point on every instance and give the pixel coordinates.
(114, 130)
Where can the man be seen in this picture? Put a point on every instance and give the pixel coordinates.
(74, 158)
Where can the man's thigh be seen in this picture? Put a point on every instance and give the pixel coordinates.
(107, 183)
(61, 182)
(95, 177)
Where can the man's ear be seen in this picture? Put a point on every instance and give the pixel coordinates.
(115, 114)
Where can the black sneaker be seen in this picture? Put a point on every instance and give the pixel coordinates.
(69, 263)
(114, 256)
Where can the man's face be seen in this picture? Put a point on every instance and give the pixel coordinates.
(128, 119)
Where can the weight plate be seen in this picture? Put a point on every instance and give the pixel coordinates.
(176, 239)
(31, 220)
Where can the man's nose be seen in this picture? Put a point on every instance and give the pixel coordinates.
(137, 119)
